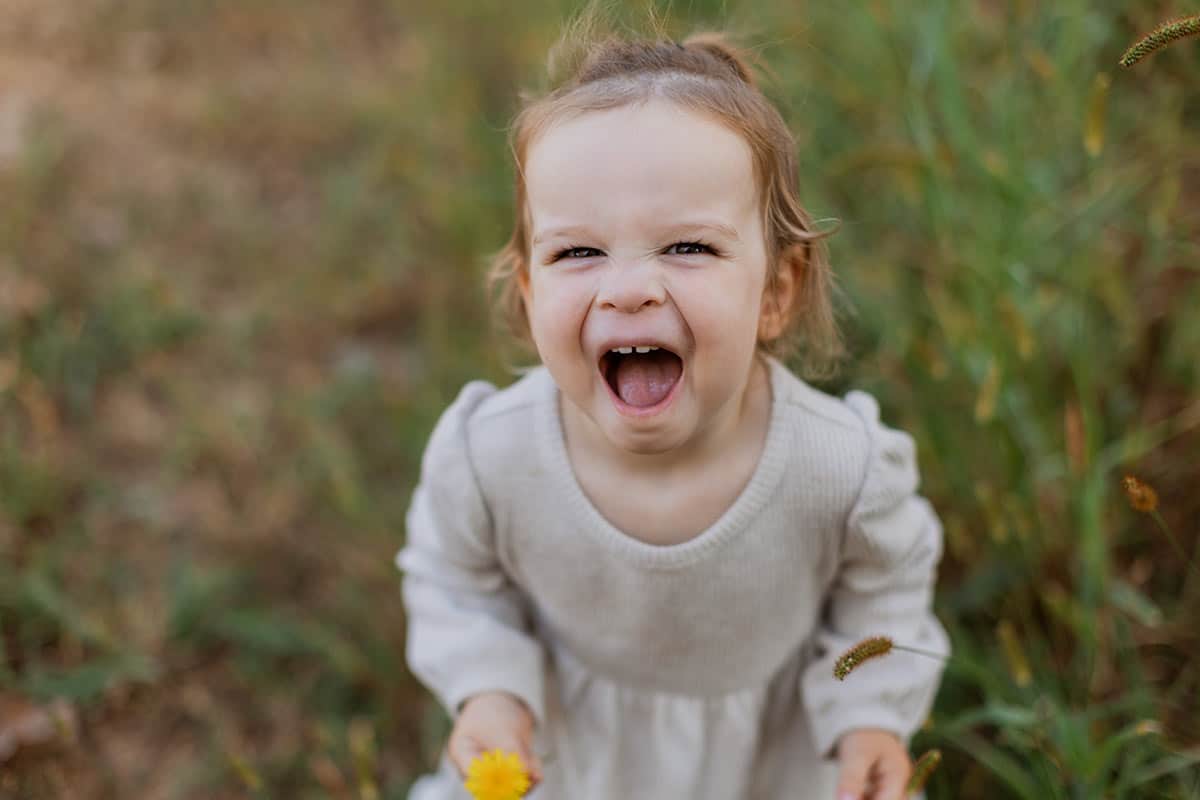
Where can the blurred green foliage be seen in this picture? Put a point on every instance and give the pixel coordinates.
(241, 273)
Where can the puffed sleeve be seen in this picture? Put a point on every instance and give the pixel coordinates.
(467, 623)
(891, 546)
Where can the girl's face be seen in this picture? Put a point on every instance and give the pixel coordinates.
(645, 232)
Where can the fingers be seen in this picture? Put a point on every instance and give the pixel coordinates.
(531, 761)
(864, 778)
(533, 764)
(523, 747)
(852, 778)
(893, 777)
(464, 749)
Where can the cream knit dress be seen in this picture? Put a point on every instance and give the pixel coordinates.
(701, 670)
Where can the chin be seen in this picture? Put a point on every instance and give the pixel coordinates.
(649, 441)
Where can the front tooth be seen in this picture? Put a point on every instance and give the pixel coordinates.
(643, 349)
(624, 350)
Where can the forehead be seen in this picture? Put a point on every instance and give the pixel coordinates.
(639, 164)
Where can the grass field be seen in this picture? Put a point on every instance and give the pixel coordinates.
(241, 256)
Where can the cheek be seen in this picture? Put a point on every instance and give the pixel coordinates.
(722, 314)
(556, 307)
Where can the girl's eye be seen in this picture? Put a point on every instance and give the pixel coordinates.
(573, 252)
(702, 248)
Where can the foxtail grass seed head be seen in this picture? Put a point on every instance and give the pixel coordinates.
(1141, 496)
(1160, 37)
(1014, 653)
(924, 767)
(249, 776)
(872, 647)
(497, 775)
(1093, 129)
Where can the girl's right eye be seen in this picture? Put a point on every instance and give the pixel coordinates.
(572, 252)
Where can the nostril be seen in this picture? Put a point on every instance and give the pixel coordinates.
(629, 292)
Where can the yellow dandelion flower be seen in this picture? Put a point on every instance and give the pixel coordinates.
(1141, 495)
(497, 775)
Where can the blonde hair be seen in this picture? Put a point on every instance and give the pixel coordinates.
(591, 70)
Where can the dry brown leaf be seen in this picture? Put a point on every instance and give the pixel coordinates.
(21, 296)
(131, 420)
(26, 725)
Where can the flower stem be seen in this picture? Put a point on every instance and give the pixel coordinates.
(920, 652)
(1193, 561)
(1189, 560)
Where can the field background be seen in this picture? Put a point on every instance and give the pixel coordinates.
(241, 253)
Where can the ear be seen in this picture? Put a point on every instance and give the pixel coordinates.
(784, 294)
(523, 285)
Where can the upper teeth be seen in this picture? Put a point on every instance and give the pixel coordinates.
(641, 349)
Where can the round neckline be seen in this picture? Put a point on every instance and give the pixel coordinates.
(748, 503)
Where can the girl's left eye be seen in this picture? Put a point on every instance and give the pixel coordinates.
(703, 248)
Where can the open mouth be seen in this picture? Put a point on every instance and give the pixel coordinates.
(641, 379)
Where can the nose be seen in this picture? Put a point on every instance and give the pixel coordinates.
(631, 286)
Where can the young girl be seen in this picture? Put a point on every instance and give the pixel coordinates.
(636, 566)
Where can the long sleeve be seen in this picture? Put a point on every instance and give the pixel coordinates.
(467, 623)
(891, 547)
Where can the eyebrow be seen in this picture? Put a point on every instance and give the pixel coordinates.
(683, 227)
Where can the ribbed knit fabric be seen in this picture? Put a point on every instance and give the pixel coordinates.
(702, 669)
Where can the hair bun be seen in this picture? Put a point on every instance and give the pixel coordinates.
(719, 46)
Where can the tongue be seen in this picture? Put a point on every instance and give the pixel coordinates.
(644, 380)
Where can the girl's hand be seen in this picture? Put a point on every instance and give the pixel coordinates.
(491, 720)
(874, 765)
